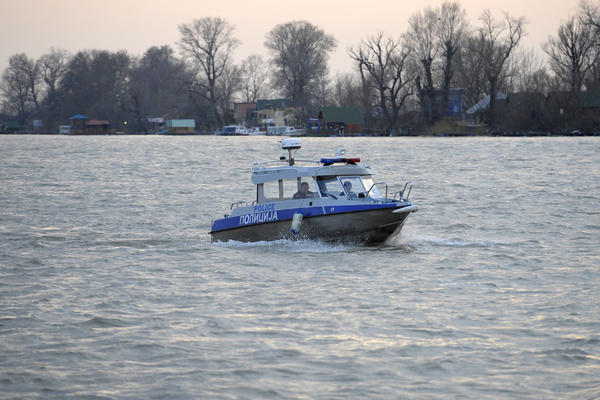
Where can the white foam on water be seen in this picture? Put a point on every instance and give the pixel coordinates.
(291, 246)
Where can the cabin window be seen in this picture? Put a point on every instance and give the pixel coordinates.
(368, 184)
(346, 186)
(352, 185)
(271, 190)
(292, 188)
(330, 186)
(285, 189)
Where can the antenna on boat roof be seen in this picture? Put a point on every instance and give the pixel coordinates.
(289, 145)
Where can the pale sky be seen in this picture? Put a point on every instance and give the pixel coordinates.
(34, 26)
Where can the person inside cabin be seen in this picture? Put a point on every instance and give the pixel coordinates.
(303, 193)
(348, 189)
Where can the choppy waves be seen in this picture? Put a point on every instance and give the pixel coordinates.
(111, 289)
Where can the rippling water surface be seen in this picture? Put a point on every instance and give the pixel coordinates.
(111, 289)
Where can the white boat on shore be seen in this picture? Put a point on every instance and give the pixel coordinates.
(285, 131)
(233, 130)
(239, 130)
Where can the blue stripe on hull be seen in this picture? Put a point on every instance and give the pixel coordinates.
(370, 225)
(271, 216)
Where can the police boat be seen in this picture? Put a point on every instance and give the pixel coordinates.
(333, 199)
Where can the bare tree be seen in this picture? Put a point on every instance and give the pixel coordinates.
(323, 93)
(155, 85)
(450, 30)
(528, 73)
(254, 78)
(209, 44)
(498, 39)
(32, 72)
(384, 61)
(572, 53)
(52, 67)
(592, 79)
(300, 52)
(227, 87)
(590, 13)
(96, 83)
(471, 70)
(20, 86)
(436, 33)
(421, 38)
(347, 91)
(367, 96)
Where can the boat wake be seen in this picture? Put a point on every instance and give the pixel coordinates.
(292, 246)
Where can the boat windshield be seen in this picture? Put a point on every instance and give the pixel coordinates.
(347, 186)
(330, 186)
(368, 184)
(352, 186)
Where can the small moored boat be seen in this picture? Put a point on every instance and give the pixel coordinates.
(233, 130)
(333, 199)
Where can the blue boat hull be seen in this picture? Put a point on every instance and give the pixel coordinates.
(370, 226)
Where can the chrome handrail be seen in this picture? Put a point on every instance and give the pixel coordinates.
(400, 194)
(375, 184)
(240, 203)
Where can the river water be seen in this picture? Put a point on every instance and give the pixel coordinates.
(111, 289)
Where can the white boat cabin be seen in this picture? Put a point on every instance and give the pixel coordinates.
(336, 181)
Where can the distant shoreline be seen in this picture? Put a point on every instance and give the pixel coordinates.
(454, 134)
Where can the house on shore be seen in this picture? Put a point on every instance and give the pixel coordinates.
(340, 120)
(590, 102)
(454, 108)
(181, 126)
(243, 111)
(10, 126)
(275, 112)
(78, 122)
(80, 125)
(97, 127)
(477, 113)
(530, 111)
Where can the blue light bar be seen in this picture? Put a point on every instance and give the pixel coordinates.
(329, 161)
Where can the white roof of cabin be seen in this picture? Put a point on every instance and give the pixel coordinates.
(268, 174)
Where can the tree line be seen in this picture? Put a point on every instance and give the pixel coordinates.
(398, 81)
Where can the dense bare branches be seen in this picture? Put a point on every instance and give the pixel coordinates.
(254, 78)
(52, 67)
(471, 64)
(384, 61)
(527, 73)
(96, 82)
(498, 38)
(421, 38)
(590, 14)
(451, 29)
(346, 90)
(208, 43)
(155, 85)
(436, 33)
(299, 53)
(573, 52)
(20, 85)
